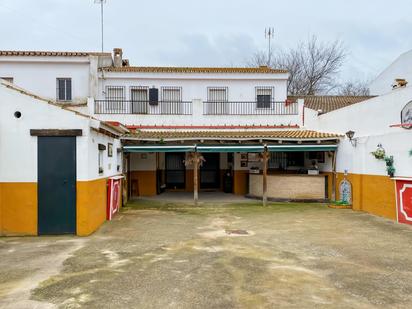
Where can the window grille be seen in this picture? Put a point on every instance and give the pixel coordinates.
(171, 100)
(172, 94)
(217, 94)
(264, 96)
(117, 96)
(217, 100)
(139, 97)
(115, 93)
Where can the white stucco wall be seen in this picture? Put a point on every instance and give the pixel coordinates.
(109, 163)
(359, 160)
(18, 149)
(38, 74)
(241, 87)
(400, 68)
(371, 121)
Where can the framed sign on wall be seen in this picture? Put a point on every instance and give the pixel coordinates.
(406, 116)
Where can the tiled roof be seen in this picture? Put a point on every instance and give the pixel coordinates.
(257, 70)
(327, 103)
(50, 53)
(235, 135)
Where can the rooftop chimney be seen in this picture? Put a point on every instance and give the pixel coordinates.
(118, 57)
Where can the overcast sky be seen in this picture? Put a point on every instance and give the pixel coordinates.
(211, 32)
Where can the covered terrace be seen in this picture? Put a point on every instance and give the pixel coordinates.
(275, 164)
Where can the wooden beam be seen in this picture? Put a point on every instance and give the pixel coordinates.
(265, 157)
(196, 162)
(333, 194)
(55, 132)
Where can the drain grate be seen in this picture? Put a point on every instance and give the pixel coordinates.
(237, 232)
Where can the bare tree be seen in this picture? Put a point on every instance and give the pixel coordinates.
(312, 65)
(354, 88)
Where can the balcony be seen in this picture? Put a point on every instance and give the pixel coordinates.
(250, 108)
(143, 107)
(124, 107)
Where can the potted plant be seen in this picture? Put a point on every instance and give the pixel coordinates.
(379, 153)
(389, 161)
(391, 171)
(389, 166)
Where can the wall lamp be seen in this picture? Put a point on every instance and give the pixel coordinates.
(350, 134)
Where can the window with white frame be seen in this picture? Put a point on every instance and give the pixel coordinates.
(115, 93)
(264, 96)
(139, 95)
(217, 100)
(116, 96)
(63, 89)
(217, 94)
(172, 94)
(171, 100)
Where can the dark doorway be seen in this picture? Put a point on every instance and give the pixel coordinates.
(56, 157)
(210, 171)
(175, 170)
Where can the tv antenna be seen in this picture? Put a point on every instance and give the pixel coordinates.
(101, 2)
(269, 35)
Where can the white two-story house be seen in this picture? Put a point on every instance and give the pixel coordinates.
(229, 115)
(226, 115)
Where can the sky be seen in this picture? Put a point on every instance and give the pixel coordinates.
(211, 32)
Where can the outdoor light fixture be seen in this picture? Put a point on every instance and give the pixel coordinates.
(350, 134)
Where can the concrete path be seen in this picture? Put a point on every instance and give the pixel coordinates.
(240, 255)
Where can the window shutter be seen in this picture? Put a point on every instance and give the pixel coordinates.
(68, 89)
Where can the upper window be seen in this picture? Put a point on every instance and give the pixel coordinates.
(64, 89)
(115, 93)
(264, 96)
(217, 94)
(139, 93)
(172, 94)
(8, 79)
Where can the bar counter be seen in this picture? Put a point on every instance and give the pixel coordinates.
(290, 186)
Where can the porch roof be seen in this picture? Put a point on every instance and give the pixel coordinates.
(229, 148)
(227, 135)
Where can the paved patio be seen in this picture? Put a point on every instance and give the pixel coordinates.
(231, 255)
(204, 197)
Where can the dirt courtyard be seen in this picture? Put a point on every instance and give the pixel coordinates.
(156, 254)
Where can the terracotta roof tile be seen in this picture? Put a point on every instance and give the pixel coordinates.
(50, 53)
(327, 103)
(235, 135)
(261, 70)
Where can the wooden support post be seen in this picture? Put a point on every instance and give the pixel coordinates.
(333, 193)
(265, 157)
(196, 159)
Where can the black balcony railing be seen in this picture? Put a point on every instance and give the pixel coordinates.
(250, 108)
(143, 107)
